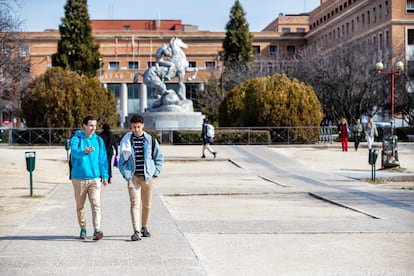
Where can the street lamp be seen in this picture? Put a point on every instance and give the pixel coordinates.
(399, 66)
(390, 151)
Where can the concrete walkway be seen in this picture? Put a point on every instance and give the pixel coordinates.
(254, 210)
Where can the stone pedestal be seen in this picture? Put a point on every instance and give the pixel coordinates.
(171, 120)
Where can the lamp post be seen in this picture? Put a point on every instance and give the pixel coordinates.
(390, 151)
(399, 66)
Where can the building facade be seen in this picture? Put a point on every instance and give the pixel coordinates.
(129, 46)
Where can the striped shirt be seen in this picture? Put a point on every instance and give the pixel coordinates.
(138, 145)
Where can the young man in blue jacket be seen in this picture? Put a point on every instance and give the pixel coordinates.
(89, 171)
(140, 163)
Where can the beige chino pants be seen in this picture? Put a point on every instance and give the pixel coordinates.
(91, 189)
(140, 194)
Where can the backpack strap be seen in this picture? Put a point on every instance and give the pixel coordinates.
(152, 147)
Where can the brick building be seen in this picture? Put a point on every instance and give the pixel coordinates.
(129, 46)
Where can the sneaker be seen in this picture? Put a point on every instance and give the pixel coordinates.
(145, 233)
(83, 235)
(214, 153)
(203, 156)
(97, 235)
(135, 236)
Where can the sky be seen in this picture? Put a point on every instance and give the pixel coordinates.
(208, 15)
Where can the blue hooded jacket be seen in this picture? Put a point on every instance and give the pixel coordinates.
(88, 166)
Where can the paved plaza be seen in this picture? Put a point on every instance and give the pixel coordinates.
(254, 210)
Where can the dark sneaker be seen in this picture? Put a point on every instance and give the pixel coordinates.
(97, 235)
(135, 236)
(203, 156)
(83, 235)
(145, 233)
(214, 154)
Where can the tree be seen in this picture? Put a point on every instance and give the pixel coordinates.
(208, 101)
(344, 79)
(237, 48)
(77, 50)
(62, 98)
(14, 63)
(271, 101)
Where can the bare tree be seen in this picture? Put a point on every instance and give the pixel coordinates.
(344, 79)
(14, 60)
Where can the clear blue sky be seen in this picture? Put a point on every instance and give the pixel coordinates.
(210, 15)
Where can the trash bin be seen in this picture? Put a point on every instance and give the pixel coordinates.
(30, 160)
(372, 156)
(67, 144)
(389, 155)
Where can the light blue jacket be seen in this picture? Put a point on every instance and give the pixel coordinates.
(88, 166)
(152, 167)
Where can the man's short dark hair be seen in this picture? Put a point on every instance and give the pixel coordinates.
(136, 119)
(87, 119)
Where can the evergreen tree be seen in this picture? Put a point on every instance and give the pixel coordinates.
(271, 101)
(77, 50)
(237, 48)
(237, 44)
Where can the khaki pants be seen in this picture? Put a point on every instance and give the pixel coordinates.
(140, 193)
(92, 189)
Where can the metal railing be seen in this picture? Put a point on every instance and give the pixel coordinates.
(279, 135)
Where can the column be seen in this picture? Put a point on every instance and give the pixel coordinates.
(124, 103)
(142, 97)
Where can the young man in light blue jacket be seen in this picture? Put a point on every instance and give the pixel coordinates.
(89, 167)
(140, 163)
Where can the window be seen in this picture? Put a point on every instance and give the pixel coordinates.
(410, 37)
(380, 12)
(374, 15)
(150, 64)
(285, 30)
(113, 65)
(387, 8)
(256, 51)
(273, 50)
(291, 50)
(24, 51)
(192, 64)
(300, 30)
(368, 18)
(410, 6)
(210, 65)
(126, 28)
(363, 20)
(133, 65)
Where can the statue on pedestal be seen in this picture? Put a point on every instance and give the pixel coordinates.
(175, 65)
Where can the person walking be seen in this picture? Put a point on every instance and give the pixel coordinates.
(344, 133)
(357, 132)
(370, 132)
(140, 163)
(89, 171)
(111, 145)
(207, 134)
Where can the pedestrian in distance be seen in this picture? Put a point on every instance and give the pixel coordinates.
(370, 133)
(140, 164)
(111, 145)
(207, 134)
(357, 133)
(344, 133)
(89, 170)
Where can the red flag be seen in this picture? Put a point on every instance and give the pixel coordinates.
(116, 46)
